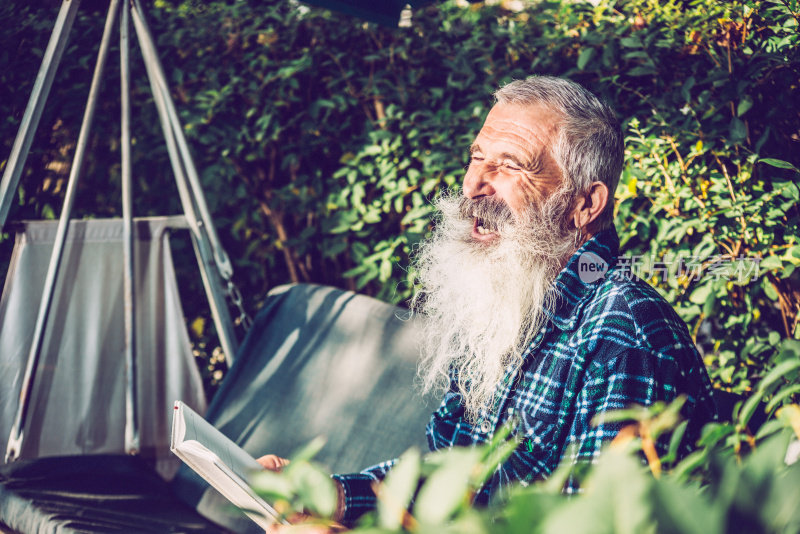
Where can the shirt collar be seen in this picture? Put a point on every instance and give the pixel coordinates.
(579, 279)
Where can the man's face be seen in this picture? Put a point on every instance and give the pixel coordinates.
(486, 273)
(511, 161)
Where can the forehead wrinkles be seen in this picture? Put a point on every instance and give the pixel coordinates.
(516, 134)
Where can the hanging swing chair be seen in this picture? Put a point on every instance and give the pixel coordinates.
(92, 371)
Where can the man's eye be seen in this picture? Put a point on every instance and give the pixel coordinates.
(511, 166)
(474, 157)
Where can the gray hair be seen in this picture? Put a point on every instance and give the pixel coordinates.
(589, 146)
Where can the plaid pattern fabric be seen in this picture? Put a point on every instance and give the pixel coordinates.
(609, 343)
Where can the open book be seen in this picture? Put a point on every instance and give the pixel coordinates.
(221, 462)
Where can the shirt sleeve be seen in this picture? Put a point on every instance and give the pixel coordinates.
(359, 498)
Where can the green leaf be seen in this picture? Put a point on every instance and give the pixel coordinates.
(674, 442)
(749, 408)
(398, 489)
(308, 452)
(701, 294)
(790, 415)
(687, 87)
(488, 465)
(708, 306)
(779, 163)
(682, 508)
(446, 489)
(737, 130)
(585, 57)
(713, 433)
(768, 428)
(630, 42)
(776, 373)
(782, 395)
(315, 489)
(744, 105)
(771, 262)
(789, 348)
(641, 70)
(273, 484)
(690, 463)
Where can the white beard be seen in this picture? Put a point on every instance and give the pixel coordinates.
(484, 302)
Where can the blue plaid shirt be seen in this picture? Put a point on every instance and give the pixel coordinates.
(612, 341)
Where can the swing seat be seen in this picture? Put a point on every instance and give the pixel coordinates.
(78, 398)
(97, 494)
(317, 361)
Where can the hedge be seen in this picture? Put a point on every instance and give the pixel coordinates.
(322, 140)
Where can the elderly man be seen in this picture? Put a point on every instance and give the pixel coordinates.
(528, 314)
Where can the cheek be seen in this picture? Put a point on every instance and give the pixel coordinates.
(522, 192)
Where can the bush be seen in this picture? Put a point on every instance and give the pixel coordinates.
(322, 139)
(733, 483)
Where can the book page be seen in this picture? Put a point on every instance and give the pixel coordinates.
(221, 462)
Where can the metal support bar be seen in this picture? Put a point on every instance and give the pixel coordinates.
(33, 111)
(212, 260)
(220, 256)
(17, 432)
(132, 443)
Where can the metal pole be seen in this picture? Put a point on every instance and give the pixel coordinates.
(17, 432)
(191, 196)
(129, 278)
(220, 256)
(33, 112)
(169, 138)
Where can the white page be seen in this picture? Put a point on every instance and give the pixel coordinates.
(221, 462)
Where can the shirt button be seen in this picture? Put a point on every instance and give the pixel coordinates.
(486, 426)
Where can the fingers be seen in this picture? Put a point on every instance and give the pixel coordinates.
(299, 525)
(272, 462)
(294, 520)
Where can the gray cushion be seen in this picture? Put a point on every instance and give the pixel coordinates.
(319, 361)
(100, 493)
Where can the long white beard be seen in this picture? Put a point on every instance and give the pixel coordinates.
(484, 302)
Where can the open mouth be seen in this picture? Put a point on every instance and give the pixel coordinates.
(483, 229)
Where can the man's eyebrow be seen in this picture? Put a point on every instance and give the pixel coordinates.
(514, 159)
(529, 164)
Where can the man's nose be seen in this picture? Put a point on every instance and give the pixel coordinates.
(478, 181)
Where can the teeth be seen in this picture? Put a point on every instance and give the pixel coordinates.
(483, 231)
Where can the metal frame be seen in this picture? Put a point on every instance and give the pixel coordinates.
(215, 266)
(132, 443)
(33, 111)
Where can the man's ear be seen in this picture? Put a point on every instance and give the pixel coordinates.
(590, 205)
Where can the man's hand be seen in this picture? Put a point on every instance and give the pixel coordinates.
(304, 524)
(300, 522)
(270, 462)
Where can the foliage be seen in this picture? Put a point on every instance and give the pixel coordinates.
(322, 139)
(299, 486)
(722, 487)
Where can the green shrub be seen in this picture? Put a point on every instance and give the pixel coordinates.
(730, 484)
(322, 139)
